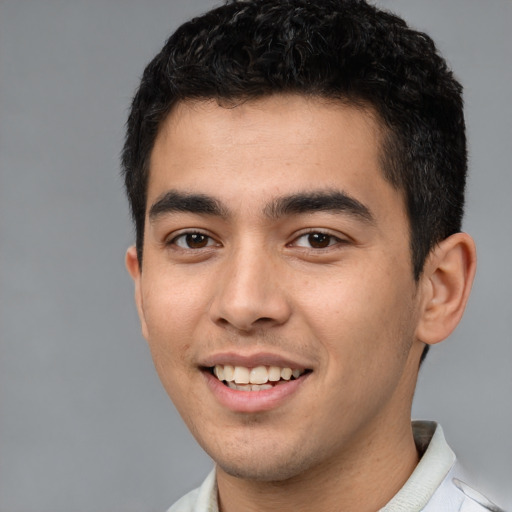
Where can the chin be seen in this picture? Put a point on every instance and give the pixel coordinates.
(266, 463)
(263, 472)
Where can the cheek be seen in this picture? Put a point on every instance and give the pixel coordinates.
(171, 314)
(361, 318)
(171, 302)
(172, 311)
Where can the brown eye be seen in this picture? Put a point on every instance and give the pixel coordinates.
(193, 241)
(319, 240)
(196, 240)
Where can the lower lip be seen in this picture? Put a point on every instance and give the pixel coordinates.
(253, 401)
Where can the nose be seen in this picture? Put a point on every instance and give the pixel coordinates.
(251, 292)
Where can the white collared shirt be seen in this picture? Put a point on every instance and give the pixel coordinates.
(434, 486)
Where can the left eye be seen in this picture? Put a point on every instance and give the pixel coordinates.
(193, 241)
(316, 240)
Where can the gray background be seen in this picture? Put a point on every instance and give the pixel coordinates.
(84, 423)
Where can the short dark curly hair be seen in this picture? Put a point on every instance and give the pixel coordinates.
(336, 49)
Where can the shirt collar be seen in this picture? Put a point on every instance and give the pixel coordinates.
(435, 463)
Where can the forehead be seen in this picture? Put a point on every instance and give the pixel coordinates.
(271, 146)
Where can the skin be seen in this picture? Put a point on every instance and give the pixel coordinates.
(349, 311)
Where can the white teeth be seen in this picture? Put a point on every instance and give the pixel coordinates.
(241, 375)
(219, 372)
(286, 373)
(258, 375)
(229, 372)
(274, 374)
(249, 387)
(255, 379)
(262, 387)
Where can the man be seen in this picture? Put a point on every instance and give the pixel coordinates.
(296, 175)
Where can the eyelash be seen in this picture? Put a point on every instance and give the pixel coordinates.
(332, 240)
(210, 242)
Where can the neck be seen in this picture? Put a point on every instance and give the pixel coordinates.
(363, 480)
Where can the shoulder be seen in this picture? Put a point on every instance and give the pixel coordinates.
(454, 494)
(472, 500)
(438, 484)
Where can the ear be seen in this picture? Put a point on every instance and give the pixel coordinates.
(133, 267)
(446, 283)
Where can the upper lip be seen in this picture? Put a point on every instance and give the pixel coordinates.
(254, 360)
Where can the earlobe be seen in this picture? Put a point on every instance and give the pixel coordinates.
(133, 267)
(446, 283)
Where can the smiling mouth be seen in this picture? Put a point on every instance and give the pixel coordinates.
(260, 378)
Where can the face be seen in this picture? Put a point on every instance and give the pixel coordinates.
(276, 292)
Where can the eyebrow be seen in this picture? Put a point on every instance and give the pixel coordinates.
(319, 201)
(174, 201)
(295, 204)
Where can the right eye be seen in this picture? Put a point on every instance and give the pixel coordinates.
(193, 240)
